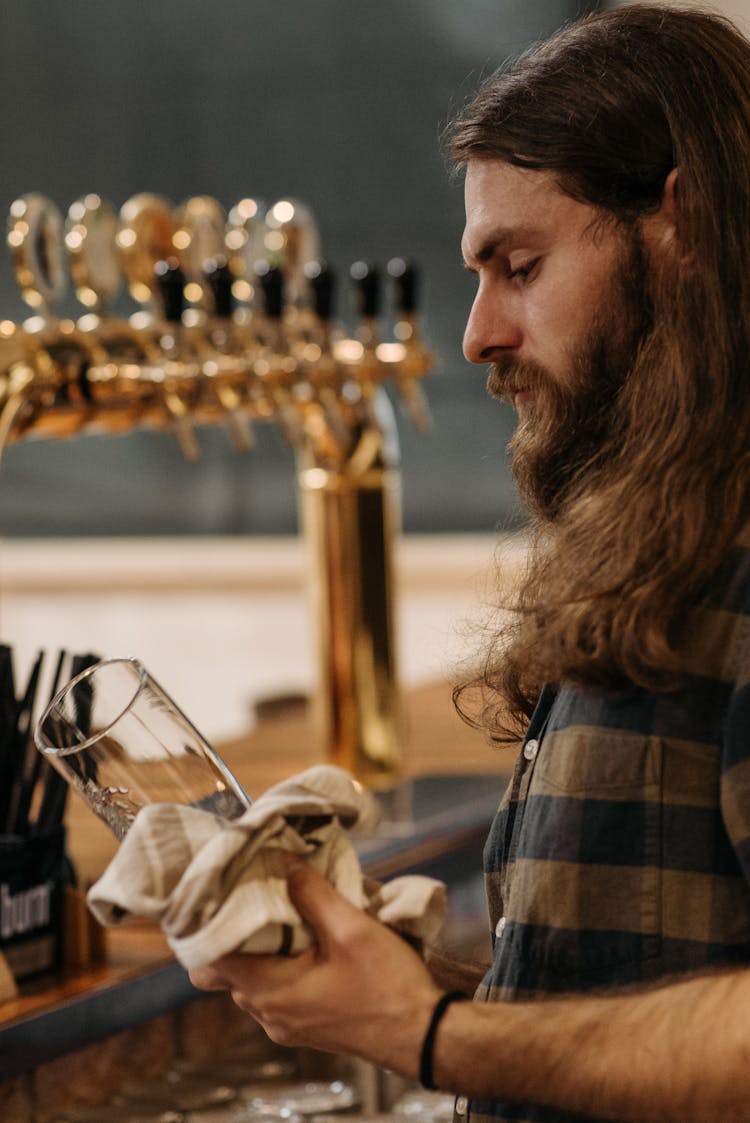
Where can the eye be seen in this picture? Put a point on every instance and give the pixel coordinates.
(524, 272)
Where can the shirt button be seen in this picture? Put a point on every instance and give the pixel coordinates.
(530, 749)
(500, 926)
(462, 1105)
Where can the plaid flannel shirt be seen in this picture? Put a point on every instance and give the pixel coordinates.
(620, 853)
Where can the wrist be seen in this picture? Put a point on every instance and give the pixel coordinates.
(427, 1051)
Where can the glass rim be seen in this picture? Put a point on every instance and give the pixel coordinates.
(53, 750)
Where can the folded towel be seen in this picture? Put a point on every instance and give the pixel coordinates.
(219, 886)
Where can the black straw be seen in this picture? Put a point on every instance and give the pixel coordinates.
(29, 760)
(8, 722)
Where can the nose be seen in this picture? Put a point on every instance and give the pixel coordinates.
(491, 327)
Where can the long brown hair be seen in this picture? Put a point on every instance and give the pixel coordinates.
(610, 105)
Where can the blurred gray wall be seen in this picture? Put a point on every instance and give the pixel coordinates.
(337, 102)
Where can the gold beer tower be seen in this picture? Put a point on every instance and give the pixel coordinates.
(235, 326)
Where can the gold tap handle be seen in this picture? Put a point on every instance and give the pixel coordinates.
(291, 241)
(417, 360)
(91, 241)
(19, 379)
(275, 369)
(35, 239)
(321, 370)
(244, 241)
(201, 241)
(367, 369)
(238, 424)
(181, 425)
(145, 236)
(199, 238)
(287, 415)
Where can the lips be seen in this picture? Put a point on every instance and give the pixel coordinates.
(500, 386)
(514, 380)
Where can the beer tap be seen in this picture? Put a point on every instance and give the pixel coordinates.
(180, 372)
(275, 367)
(351, 513)
(44, 364)
(38, 279)
(413, 360)
(90, 239)
(119, 395)
(244, 245)
(329, 416)
(325, 373)
(313, 347)
(17, 376)
(156, 280)
(290, 242)
(209, 326)
(359, 355)
(229, 370)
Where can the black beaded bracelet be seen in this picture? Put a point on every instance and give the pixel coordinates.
(426, 1078)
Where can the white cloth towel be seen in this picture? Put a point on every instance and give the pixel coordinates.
(217, 886)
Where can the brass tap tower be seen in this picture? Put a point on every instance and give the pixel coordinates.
(235, 325)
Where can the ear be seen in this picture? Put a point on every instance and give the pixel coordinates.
(660, 227)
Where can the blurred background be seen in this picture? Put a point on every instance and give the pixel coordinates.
(338, 104)
(115, 544)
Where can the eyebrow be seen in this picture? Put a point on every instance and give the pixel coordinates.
(498, 239)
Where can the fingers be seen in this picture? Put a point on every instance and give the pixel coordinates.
(318, 903)
(208, 978)
(250, 973)
(226, 972)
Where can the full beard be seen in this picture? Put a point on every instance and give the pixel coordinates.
(566, 432)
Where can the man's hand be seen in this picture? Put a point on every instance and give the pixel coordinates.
(361, 989)
(677, 1053)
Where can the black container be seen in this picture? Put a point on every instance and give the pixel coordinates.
(33, 874)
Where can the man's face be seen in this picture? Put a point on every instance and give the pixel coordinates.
(560, 311)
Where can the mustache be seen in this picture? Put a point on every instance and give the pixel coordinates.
(508, 376)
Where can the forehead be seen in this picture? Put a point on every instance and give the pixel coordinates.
(509, 204)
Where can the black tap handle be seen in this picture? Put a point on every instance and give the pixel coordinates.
(322, 282)
(218, 279)
(366, 279)
(405, 277)
(170, 284)
(271, 281)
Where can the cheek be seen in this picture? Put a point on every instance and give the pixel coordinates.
(554, 327)
(560, 315)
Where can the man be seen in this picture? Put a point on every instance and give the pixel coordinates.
(607, 181)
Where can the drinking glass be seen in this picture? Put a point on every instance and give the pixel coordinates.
(121, 742)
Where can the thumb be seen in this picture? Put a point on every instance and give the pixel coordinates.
(316, 900)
